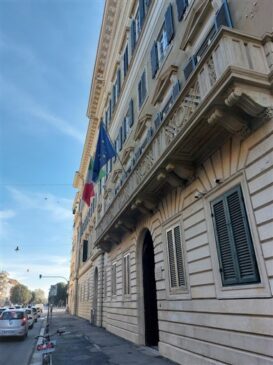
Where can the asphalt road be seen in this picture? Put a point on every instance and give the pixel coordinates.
(15, 351)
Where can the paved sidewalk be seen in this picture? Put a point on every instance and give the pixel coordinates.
(86, 344)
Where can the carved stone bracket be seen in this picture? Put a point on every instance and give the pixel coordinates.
(231, 122)
(105, 246)
(245, 102)
(149, 201)
(139, 205)
(267, 114)
(171, 177)
(183, 170)
(123, 226)
(112, 239)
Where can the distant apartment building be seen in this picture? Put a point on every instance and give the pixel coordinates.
(176, 248)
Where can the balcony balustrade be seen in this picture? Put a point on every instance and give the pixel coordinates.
(231, 74)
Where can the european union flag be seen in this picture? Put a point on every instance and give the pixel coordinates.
(104, 152)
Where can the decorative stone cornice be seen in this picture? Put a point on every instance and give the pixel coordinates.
(115, 71)
(133, 8)
(106, 193)
(198, 13)
(98, 80)
(141, 126)
(126, 154)
(163, 84)
(115, 175)
(124, 38)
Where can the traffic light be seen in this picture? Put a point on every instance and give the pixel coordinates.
(40, 276)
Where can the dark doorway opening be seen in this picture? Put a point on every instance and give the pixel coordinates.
(149, 290)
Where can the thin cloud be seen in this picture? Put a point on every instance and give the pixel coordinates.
(28, 273)
(59, 208)
(7, 214)
(23, 52)
(58, 123)
(26, 104)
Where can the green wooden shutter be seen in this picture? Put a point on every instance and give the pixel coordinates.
(131, 113)
(118, 82)
(154, 59)
(223, 16)
(181, 8)
(171, 259)
(114, 279)
(85, 250)
(139, 88)
(179, 257)
(124, 276)
(141, 12)
(169, 23)
(234, 244)
(223, 240)
(248, 270)
(133, 36)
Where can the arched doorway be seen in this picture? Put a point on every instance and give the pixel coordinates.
(95, 298)
(149, 292)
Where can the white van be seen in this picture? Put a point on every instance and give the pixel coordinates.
(39, 307)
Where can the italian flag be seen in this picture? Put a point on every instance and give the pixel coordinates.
(88, 190)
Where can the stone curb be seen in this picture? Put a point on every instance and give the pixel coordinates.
(36, 357)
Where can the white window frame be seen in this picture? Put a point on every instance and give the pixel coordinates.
(177, 292)
(255, 290)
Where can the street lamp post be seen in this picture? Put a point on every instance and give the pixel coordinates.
(52, 276)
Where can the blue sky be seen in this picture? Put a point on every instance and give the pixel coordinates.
(47, 53)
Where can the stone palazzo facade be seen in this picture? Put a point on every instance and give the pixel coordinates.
(176, 248)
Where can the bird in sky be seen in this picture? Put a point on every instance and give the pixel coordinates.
(16, 249)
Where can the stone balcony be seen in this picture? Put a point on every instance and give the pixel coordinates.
(229, 91)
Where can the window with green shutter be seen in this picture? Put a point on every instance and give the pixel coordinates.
(176, 260)
(235, 249)
(142, 90)
(84, 250)
(114, 279)
(126, 274)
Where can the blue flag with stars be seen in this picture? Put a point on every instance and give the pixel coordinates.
(104, 152)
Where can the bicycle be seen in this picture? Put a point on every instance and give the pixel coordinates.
(47, 346)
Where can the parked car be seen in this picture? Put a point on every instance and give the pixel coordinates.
(2, 309)
(40, 307)
(35, 314)
(14, 322)
(31, 317)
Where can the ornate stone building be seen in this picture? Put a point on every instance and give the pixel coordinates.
(176, 249)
